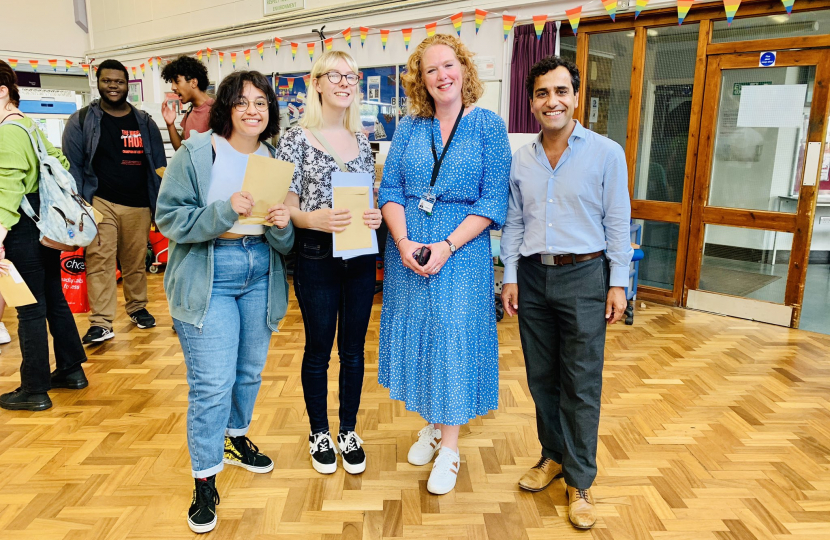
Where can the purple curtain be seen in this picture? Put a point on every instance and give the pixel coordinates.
(527, 50)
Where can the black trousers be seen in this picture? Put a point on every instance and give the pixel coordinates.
(39, 266)
(562, 328)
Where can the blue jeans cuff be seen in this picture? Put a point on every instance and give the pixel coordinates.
(236, 432)
(209, 472)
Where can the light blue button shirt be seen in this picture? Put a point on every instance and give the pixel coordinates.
(582, 206)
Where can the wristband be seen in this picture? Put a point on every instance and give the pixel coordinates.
(399, 240)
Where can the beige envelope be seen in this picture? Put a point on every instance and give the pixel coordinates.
(267, 180)
(14, 289)
(357, 234)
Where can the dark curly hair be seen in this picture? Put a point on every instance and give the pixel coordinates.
(8, 78)
(189, 68)
(549, 64)
(116, 65)
(231, 90)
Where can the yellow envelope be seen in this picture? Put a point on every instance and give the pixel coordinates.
(267, 180)
(357, 234)
(14, 289)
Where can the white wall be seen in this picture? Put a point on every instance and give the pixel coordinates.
(40, 30)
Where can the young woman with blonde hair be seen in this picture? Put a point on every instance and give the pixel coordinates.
(335, 295)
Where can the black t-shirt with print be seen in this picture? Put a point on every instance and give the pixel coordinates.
(120, 163)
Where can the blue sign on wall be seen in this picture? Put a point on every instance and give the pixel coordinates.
(767, 59)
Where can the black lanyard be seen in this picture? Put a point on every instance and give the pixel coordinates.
(437, 167)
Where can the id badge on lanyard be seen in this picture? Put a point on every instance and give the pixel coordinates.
(427, 201)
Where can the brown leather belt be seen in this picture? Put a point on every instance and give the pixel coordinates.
(559, 260)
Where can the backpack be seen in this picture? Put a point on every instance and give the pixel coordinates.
(66, 221)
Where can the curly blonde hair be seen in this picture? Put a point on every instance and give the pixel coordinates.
(419, 102)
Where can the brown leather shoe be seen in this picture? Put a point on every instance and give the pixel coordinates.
(581, 509)
(540, 475)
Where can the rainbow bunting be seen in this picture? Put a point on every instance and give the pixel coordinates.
(507, 22)
(290, 83)
(260, 48)
(13, 63)
(310, 47)
(294, 50)
(199, 55)
(347, 35)
(151, 60)
(54, 64)
(209, 50)
(85, 67)
(431, 28)
(142, 69)
(457, 19)
(407, 37)
(480, 15)
(68, 64)
(363, 33)
(95, 70)
(731, 8)
(277, 43)
(384, 37)
(221, 58)
(611, 8)
(639, 7)
(329, 42)
(573, 17)
(233, 60)
(789, 5)
(306, 78)
(539, 24)
(683, 7)
(158, 62)
(247, 53)
(132, 68)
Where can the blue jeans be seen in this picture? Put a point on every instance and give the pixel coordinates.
(225, 357)
(335, 296)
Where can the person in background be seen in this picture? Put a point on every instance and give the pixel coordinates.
(566, 251)
(114, 155)
(225, 281)
(329, 288)
(38, 265)
(445, 185)
(188, 78)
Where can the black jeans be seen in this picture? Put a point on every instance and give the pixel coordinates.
(335, 295)
(562, 328)
(40, 268)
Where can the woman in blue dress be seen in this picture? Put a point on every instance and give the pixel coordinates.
(445, 185)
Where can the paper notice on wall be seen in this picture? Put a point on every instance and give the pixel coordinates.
(777, 106)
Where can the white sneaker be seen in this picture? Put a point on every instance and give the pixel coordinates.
(323, 453)
(444, 472)
(4, 335)
(354, 457)
(429, 441)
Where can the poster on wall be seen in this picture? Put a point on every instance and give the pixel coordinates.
(275, 7)
(136, 93)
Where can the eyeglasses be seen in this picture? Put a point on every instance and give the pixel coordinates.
(335, 77)
(260, 104)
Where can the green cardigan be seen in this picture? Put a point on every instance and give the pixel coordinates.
(19, 168)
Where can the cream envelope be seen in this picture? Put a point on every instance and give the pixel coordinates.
(14, 289)
(267, 180)
(357, 234)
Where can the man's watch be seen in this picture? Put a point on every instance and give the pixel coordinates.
(453, 249)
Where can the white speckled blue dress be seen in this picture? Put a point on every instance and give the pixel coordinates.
(438, 342)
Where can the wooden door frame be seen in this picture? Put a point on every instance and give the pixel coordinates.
(799, 224)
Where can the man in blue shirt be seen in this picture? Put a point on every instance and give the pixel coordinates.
(566, 251)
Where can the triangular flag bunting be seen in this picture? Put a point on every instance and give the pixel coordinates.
(260, 48)
(199, 55)
(294, 50)
(407, 37)
(310, 47)
(384, 37)
(431, 28)
(457, 19)
(68, 64)
(329, 42)
(611, 8)
(480, 15)
(363, 33)
(306, 78)
(539, 24)
(13, 63)
(683, 7)
(85, 67)
(151, 61)
(788, 4)
(142, 69)
(221, 58)
(277, 43)
(54, 64)
(134, 73)
(731, 8)
(33, 63)
(95, 69)
(209, 51)
(347, 35)
(639, 7)
(573, 17)
(247, 53)
(507, 22)
(233, 60)
(290, 83)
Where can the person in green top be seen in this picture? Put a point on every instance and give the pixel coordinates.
(38, 265)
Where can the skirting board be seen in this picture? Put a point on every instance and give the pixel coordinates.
(743, 308)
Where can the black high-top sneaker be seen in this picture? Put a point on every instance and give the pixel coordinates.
(240, 451)
(201, 517)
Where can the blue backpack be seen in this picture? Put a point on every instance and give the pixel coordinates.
(66, 221)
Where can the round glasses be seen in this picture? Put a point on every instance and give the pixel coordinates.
(242, 104)
(335, 77)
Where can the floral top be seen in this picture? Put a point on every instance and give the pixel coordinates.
(313, 167)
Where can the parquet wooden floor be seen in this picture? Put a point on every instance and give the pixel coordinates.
(712, 428)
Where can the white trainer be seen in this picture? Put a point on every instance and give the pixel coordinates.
(4, 335)
(444, 472)
(429, 441)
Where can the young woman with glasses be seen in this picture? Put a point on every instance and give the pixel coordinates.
(225, 281)
(335, 295)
